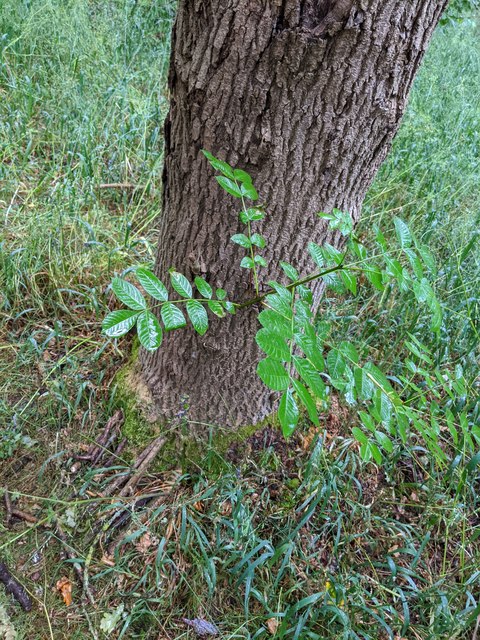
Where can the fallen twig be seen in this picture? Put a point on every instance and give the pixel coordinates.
(113, 423)
(14, 587)
(23, 515)
(12, 512)
(120, 480)
(114, 457)
(142, 468)
(8, 507)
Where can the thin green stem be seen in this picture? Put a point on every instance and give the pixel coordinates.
(182, 300)
(252, 252)
(293, 285)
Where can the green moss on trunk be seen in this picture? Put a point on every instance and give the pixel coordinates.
(184, 448)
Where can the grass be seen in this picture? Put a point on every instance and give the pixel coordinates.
(302, 539)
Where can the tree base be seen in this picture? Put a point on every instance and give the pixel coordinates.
(186, 445)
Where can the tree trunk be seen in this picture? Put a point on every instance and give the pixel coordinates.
(305, 95)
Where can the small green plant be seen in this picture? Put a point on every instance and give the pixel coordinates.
(301, 361)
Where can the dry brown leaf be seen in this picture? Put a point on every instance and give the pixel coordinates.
(145, 542)
(272, 625)
(309, 437)
(107, 559)
(65, 587)
(226, 508)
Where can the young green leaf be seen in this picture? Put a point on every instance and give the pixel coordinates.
(247, 263)
(367, 421)
(404, 234)
(128, 294)
(272, 373)
(258, 240)
(273, 345)
(242, 240)
(216, 308)
(415, 263)
(303, 314)
(307, 401)
(336, 364)
(377, 456)
(384, 441)
(349, 351)
(305, 293)
(290, 272)
(172, 316)
(198, 316)
(221, 294)
(152, 285)
(381, 381)
(349, 280)
(149, 331)
(181, 284)
(288, 413)
(219, 165)
(260, 260)
(332, 253)
(374, 276)
(310, 376)
(359, 435)
(363, 384)
(242, 176)
(203, 287)
(382, 407)
(248, 190)
(118, 323)
(316, 252)
(437, 314)
(229, 186)
(276, 323)
(252, 214)
(310, 348)
(280, 304)
(340, 220)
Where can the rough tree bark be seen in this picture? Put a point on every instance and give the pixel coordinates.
(306, 95)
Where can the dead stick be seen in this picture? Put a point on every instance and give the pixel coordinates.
(140, 467)
(8, 507)
(105, 448)
(115, 484)
(132, 483)
(112, 422)
(120, 480)
(111, 461)
(14, 587)
(22, 515)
